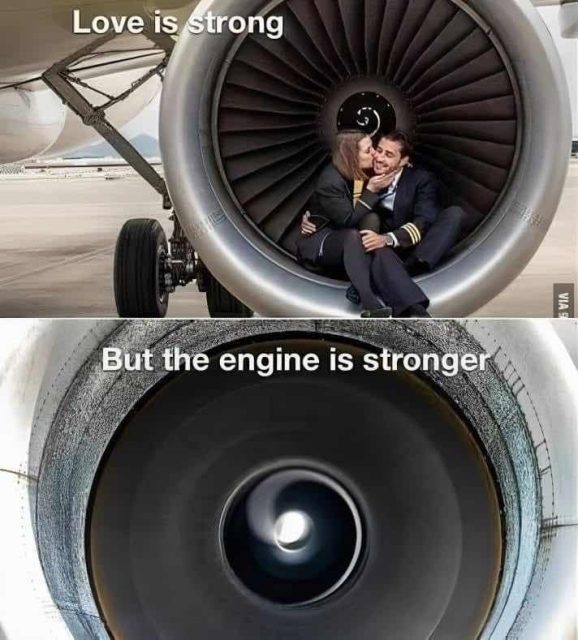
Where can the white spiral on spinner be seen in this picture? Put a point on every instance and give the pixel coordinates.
(364, 120)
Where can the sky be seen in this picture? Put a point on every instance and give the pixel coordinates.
(145, 123)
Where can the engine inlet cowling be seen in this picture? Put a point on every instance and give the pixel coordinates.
(165, 501)
(247, 129)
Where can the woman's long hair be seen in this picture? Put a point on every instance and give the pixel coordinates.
(346, 154)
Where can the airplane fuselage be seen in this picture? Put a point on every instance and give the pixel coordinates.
(36, 33)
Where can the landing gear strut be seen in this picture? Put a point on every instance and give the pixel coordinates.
(147, 268)
(146, 273)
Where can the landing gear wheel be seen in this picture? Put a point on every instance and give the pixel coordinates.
(223, 304)
(138, 270)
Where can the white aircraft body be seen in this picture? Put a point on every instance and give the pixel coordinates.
(34, 35)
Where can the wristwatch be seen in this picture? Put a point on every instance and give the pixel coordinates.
(389, 241)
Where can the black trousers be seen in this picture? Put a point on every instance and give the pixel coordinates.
(344, 250)
(392, 280)
(441, 238)
(390, 269)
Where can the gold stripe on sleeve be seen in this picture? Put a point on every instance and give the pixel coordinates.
(417, 231)
(358, 187)
(411, 233)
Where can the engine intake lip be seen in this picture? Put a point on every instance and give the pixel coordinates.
(267, 279)
(518, 416)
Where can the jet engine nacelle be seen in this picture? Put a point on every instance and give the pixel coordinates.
(97, 469)
(247, 124)
(35, 123)
(76, 135)
(30, 121)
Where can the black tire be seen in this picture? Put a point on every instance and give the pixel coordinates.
(223, 304)
(137, 283)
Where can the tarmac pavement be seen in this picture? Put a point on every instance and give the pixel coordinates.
(58, 235)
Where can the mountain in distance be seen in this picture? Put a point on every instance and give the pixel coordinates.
(146, 145)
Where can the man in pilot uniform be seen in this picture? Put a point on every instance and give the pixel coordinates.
(408, 232)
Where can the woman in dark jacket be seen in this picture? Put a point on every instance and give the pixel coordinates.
(343, 198)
